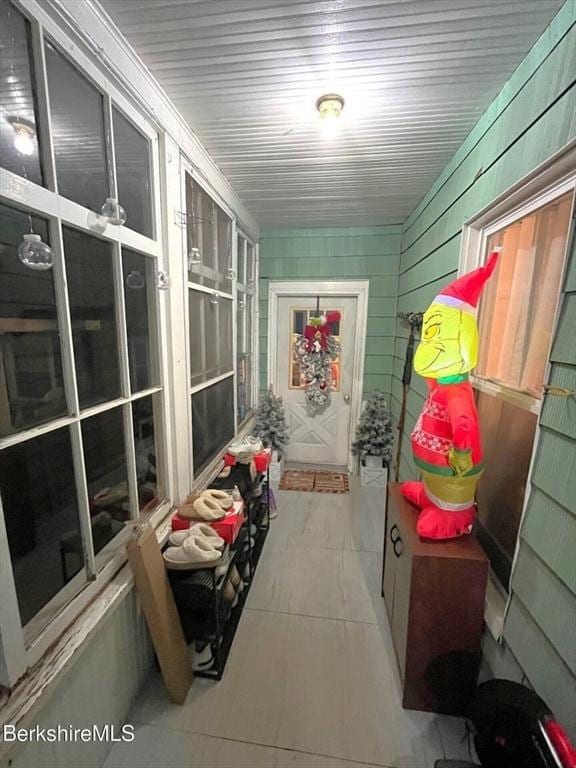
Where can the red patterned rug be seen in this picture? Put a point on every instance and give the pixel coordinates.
(314, 480)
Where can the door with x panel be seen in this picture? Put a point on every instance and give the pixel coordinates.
(316, 436)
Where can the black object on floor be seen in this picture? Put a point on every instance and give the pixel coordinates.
(455, 764)
(513, 726)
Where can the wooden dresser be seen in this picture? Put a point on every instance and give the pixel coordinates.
(434, 593)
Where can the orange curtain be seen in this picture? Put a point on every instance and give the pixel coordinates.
(519, 303)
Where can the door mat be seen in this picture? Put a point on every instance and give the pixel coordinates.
(313, 480)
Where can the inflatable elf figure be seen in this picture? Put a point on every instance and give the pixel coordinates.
(446, 438)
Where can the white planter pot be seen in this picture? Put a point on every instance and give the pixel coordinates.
(375, 462)
(276, 469)
(374, 477)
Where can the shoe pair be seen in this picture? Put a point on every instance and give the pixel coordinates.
(198, 547)
(211, 505)
(245, 448)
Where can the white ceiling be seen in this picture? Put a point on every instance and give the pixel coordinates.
(415, 74)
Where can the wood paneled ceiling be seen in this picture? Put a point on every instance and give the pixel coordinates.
(416, 75)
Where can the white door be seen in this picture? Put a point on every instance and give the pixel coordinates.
(316, 437)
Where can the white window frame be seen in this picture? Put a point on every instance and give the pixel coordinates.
(248, 288)
(180, 218)
(554, 178)
(20, 647)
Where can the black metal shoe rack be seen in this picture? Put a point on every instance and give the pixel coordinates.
(206, 615)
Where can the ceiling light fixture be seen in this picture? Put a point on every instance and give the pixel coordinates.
(24, 133)
(330, 108)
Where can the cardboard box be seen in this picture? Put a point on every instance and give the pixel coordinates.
(159, 608)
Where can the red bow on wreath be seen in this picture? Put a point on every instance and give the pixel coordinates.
(317, 332)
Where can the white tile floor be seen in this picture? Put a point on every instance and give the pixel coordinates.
(311, 680)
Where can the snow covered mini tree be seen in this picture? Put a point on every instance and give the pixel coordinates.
(271, 425)
(374, 431)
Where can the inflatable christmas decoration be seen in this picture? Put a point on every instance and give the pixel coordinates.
(446, 439)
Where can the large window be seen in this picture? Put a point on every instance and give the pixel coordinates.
(80, 394)
(83, 314)
(516, 323)
(211, 281)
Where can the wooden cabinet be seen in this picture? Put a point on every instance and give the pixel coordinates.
(434, 593)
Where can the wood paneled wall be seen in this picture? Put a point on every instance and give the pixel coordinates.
(533, 117)
(352, 253)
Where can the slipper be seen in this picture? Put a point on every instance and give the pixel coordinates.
(221, 497)
(191, 554)
(207, 508)
(203, 530)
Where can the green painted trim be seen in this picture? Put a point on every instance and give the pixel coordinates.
(458, 378)
(446, 471)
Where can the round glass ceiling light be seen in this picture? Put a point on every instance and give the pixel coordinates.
(330, 107)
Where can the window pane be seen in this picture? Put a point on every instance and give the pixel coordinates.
(249, 318)
(212, 421)
(31, 385)
(200, 234)
(224, 243)
(300, 319)
(519, 302)
(241, 389)
(507, 430)
(132, 153)
(249, 263)
(91, 294)
(39, 501)
(224, 339)
(240, 316)
(19, 151)
(210, 337)
(144, 440)
(241, 259)
(105, 460)
(77, 117)
(249, 403)
(139, 297)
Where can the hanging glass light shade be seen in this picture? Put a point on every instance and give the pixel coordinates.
(113, 211)
(35, 254)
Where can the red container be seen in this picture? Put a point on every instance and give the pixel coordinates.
(261, 460)
(227, 528)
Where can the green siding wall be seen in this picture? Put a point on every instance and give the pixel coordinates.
(533, 117)
(352, 253)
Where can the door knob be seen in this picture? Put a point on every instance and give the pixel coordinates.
(347, 399)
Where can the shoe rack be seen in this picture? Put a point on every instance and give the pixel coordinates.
(207, 613)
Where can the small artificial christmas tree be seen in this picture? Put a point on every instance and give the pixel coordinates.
(374, 430)
(271, 425)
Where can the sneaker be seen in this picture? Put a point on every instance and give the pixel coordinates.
(245, 447)
(203, 657)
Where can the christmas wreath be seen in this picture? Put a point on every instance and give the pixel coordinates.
(317, 349)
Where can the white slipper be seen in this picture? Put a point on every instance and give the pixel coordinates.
(221, 497)
(206, 508)
(192, 554)
(202, 530)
